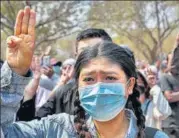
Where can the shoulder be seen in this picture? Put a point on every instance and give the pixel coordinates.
(161, 134)
(156, 87)
(65, 89)
(63, 120)
(164, 76)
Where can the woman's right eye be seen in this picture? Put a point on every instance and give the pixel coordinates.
(88, 79)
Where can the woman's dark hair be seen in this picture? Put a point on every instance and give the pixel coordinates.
(115, 54)
(145, 89)
(92, 33)
(59, 63)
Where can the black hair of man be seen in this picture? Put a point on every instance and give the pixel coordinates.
(92, 33)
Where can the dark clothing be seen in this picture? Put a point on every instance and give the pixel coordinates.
(172, 132)
(62, 102)
(26, 111)
(175, 62)
(169, 83)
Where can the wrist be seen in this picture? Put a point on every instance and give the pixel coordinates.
(36, 78)
(22, 72)
(26, 98)
(28, 94)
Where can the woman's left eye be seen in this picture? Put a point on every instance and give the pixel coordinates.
(111, 78)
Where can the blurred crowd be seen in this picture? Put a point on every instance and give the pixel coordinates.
(53, 89)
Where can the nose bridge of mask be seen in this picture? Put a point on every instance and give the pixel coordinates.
(101, 88)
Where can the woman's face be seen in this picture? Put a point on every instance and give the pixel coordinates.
(103, 70)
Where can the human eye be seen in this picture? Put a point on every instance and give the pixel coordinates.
(111, 78)
(88, 79)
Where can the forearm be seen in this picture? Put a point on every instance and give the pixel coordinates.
(12, 89)
(52, 94)
(174, 97)
(31, 89)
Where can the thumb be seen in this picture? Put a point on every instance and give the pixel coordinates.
(12, 41)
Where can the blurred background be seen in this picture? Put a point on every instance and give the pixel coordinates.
(149, 28)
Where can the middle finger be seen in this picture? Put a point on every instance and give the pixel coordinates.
(25, 20)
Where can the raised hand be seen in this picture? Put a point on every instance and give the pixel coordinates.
(21, 46)
(67, 74)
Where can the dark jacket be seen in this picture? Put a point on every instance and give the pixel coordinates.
(175, 63)
(26, 111)
(62, 102)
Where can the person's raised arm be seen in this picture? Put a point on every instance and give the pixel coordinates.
(67, 74)
(15, 73)
(26, 111)
(31, 88)
(21, 46)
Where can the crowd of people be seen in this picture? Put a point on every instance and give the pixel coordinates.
(102, 93)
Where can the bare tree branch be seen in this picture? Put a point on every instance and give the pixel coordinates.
(6, 32)
(51, 37)
(7, 26)
(169, 29)
(6, 19)
(10, 12)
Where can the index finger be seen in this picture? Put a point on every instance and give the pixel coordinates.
(32, 22)
(18, 24)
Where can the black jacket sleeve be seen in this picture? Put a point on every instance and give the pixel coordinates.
(26, 111)
(47, 109)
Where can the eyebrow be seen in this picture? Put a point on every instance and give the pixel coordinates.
(103, 72)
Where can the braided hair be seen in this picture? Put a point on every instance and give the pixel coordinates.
(79, 120)
(134, 104)
(125, 59)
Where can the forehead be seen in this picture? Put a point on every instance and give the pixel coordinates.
(102, 64)
(88, 42)
(151, 76)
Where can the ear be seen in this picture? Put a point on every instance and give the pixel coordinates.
(131, 85)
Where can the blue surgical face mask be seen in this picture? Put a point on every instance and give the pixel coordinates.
(56, 69)
(103, 101)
